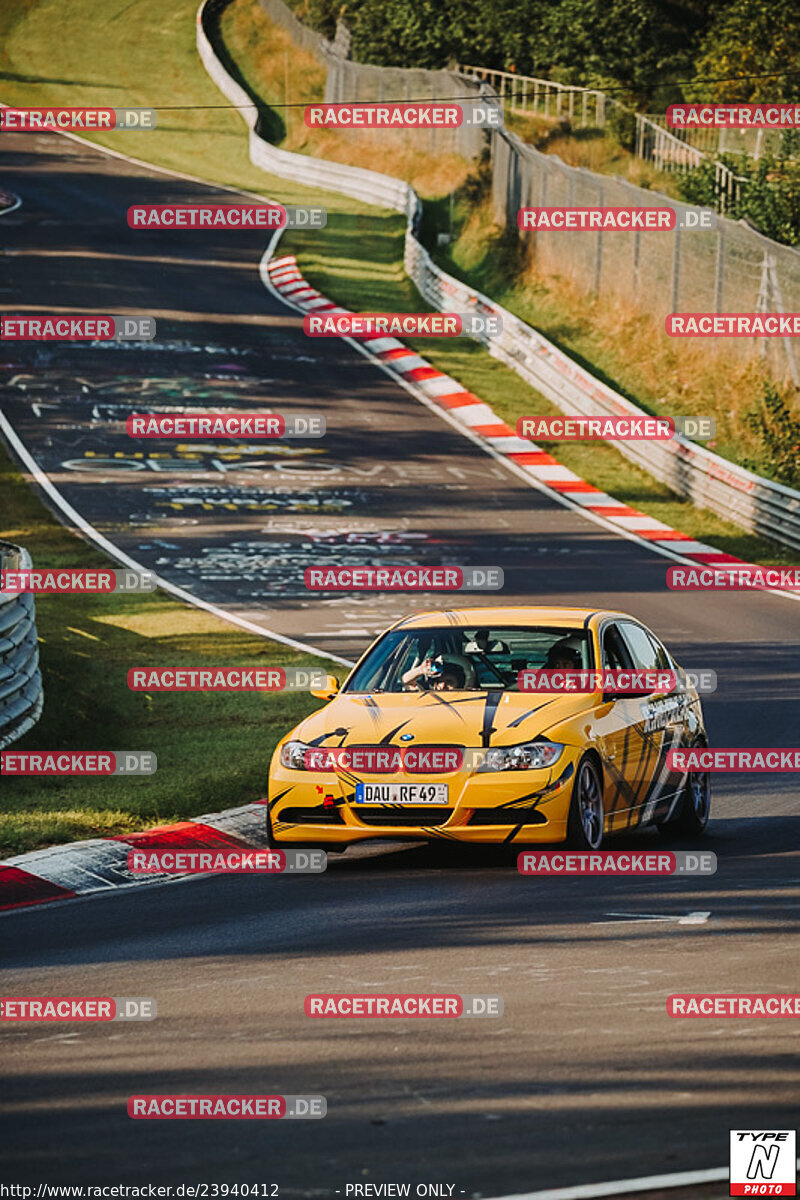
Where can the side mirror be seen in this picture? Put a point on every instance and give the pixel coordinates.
(609, 696)
(329, 691)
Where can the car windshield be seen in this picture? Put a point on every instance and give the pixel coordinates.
(467, 659)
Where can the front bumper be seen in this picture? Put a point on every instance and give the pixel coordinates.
(485, 808)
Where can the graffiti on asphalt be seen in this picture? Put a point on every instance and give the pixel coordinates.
(195, 500)
(275, 567)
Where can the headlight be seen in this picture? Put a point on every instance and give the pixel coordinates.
(293, 755)
(530, 756)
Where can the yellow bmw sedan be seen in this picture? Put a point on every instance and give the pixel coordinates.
(430, 737)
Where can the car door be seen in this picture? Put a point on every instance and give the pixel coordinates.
(618, 730)
(658, 728)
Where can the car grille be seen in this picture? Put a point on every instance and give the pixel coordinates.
(409, 814)
(318, 815)
(507, 816)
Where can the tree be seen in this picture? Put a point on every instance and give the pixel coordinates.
(747, 38)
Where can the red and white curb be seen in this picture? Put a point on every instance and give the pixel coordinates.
(63, 872)
(101, 864)
(542, 471)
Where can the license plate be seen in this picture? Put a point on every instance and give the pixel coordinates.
(402, 793)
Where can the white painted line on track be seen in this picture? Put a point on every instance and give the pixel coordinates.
(16, 203)
(75, 519)
(692, 918)
(412, 389)
(623, 1187)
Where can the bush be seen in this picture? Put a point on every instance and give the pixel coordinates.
(779, 431)
(769, 195)
(621, 124)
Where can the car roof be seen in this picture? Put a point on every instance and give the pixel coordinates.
(570, 618)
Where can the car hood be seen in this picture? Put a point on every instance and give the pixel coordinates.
(448, 718)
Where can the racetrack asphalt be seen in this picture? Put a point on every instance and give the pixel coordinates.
(584, 1078)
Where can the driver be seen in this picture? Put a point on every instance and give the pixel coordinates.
(436, 675)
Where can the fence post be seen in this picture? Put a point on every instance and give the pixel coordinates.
(770, 298)
(719, 274)
(676, 270)
(598, 252)
(637, 246)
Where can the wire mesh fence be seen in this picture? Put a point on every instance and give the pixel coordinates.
(730, 268)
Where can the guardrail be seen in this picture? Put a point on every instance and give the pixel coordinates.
(671, 153)
(755, 504)
(544, 97)
(589, 107)
(20, 679)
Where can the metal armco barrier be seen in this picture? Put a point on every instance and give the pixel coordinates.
(20, 680)
(755, 504)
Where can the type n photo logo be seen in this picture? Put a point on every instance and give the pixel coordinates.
(763, 1162)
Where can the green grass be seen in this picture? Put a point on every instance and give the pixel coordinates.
(357, 259)
(129, 53)
(379, 284)
(597, 150)
(213, 749)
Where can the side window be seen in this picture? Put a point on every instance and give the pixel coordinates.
(615, 652)
(663, 660)
(645, 651)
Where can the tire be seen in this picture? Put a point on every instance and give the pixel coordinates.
(692, 815)
(586, 810)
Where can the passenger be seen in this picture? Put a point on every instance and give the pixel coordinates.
(563, 657)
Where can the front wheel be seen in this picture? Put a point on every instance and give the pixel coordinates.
(586, 811)
(694, 807)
